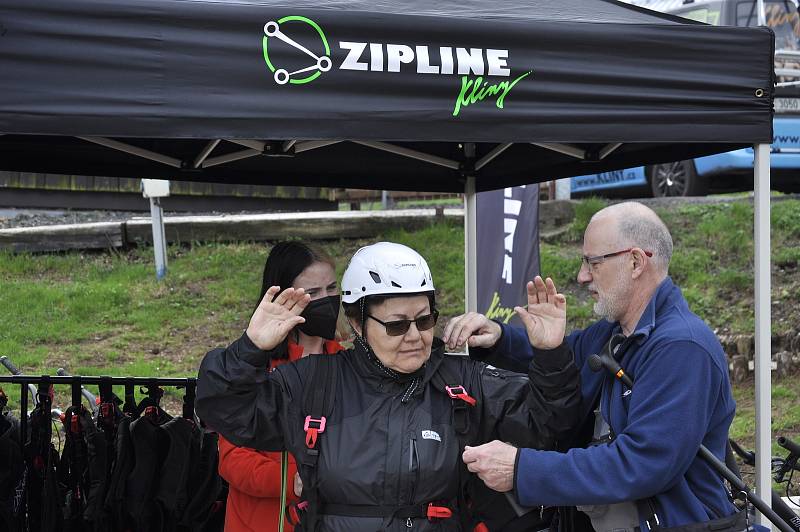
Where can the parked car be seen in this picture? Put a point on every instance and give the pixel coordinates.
(732, 170)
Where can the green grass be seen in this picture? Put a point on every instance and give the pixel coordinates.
(584, 211)
(785, 418)
(713, 261)
(445, 261)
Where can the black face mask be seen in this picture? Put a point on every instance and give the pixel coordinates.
(321, 315)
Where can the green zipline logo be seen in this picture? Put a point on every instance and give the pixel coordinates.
(321, 63)
(475, 90)
(394, 58)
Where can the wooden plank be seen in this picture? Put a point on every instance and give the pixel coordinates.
(80, 182)
(26, 180)
(272, 227)
(183, 187)
(9, 179)
(350, 194)
(57, 181)
(263, 227)
(101, 235)
(106, 184)
(130, 184)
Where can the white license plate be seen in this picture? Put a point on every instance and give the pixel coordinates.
(787, 105)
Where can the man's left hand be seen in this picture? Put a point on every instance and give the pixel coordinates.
(545, 317)
(494, 464)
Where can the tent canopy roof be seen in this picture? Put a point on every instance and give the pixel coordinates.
(596, 11)
(379, 94)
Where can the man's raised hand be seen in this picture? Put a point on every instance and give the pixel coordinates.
(276, 316)
(545, 317)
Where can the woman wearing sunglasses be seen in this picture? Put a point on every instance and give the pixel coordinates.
(378, 430)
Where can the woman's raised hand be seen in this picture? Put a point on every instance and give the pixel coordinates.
(545, 316)
(276, 316)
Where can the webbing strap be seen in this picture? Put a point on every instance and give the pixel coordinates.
(445, 381)
(130, 400)
(284, 478)
(319, 396)
(318, 402)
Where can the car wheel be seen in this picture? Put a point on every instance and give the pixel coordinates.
(676, 179)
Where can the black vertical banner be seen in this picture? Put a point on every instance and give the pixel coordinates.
(508, 249)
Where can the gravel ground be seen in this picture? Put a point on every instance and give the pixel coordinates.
(32, 218)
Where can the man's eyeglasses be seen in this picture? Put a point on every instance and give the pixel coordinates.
(598, 259)
(400, 327)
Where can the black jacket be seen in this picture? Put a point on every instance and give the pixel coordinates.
(376, 449)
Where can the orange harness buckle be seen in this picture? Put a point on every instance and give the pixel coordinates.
(313, 431)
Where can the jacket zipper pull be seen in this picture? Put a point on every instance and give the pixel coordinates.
(409, 523)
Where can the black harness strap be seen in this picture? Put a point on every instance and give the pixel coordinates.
(319, 396)
(130, 400)
(445, 381)
(448, 383)
(188, 401)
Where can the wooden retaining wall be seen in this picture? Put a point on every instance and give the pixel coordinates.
(225, 228)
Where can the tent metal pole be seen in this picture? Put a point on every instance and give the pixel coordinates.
(134, 150)
(252, 144)
(235, 156)
(608, 149)
(763, 338)
(566, 149)
(203, 155)
(312, 145)
(489, 157)
(471, 244)
(407, 152)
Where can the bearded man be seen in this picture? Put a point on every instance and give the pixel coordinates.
(632, 464)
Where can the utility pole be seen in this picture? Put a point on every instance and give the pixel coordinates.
(155, 189)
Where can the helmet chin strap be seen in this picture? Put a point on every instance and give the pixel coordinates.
(363, 319)
(362, 337)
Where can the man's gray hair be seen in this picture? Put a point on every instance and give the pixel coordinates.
(649, 233)
(639, 226)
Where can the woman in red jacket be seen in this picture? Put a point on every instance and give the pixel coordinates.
(254, 476)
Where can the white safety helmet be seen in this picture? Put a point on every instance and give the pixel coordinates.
(385, 268)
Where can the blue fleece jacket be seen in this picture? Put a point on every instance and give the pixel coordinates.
(680, 399)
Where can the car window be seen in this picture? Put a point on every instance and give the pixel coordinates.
(709, 15)
(781, 16)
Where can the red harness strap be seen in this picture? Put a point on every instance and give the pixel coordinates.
(439, 512)
(459, 392)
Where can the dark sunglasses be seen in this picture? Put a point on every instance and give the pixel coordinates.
(400, 327)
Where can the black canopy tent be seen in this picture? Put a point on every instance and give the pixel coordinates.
(454, 89)
(401, 95)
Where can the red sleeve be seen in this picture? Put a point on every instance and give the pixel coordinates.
(252, 472)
